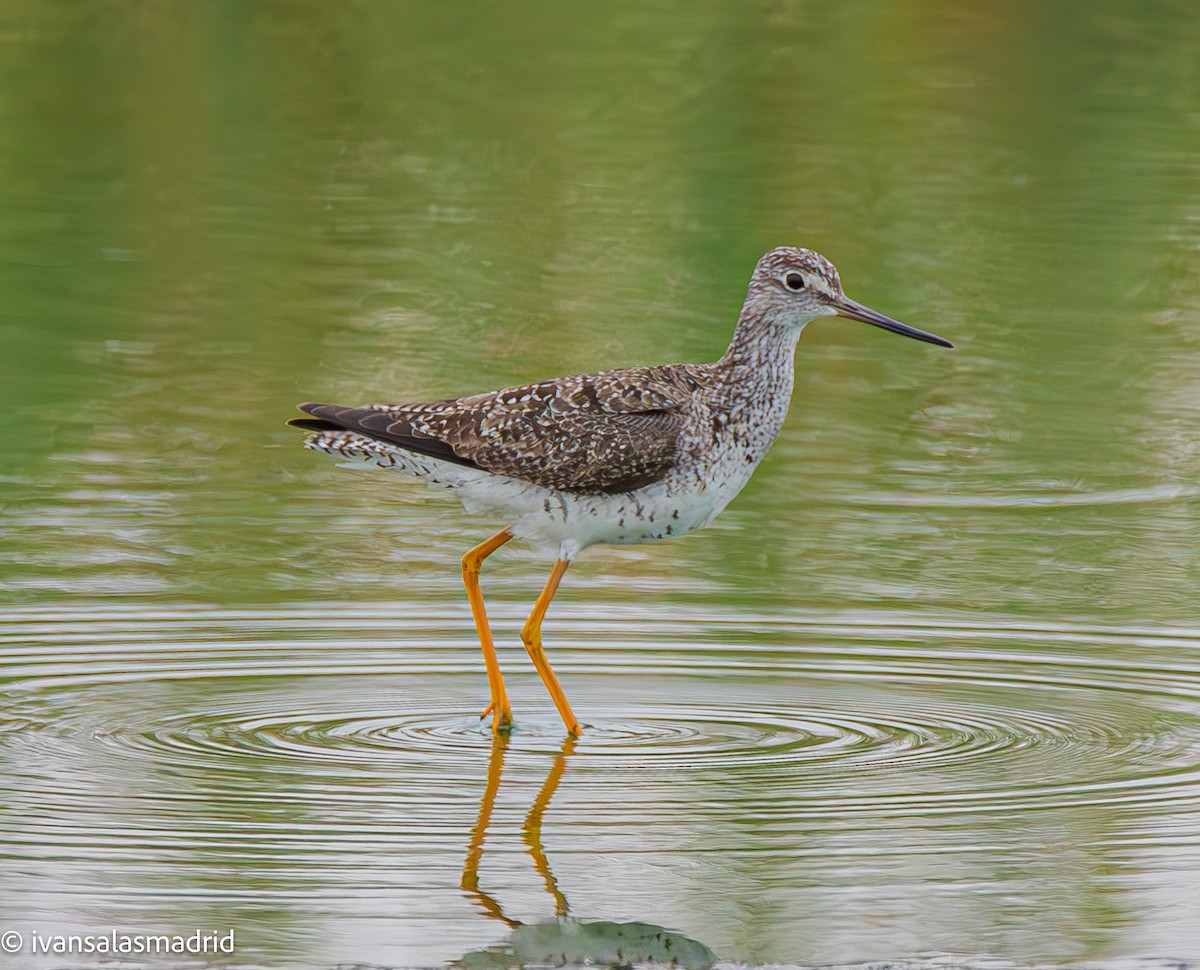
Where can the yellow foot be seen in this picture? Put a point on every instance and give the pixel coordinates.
(501, 722)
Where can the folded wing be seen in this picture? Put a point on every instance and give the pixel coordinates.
(608, 432)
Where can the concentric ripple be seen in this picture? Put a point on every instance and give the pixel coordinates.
(337, 751)
(323, 691)
(670, 737)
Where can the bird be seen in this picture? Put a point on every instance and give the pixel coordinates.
(632, 455)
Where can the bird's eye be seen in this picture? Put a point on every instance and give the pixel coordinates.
(794, 281)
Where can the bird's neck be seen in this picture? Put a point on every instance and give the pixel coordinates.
(761, 354)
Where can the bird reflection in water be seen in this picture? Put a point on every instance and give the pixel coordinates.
(564, 940)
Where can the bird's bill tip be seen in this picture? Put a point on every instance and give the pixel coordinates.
(853, 310)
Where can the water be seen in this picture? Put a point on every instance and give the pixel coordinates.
(930, 685)
(842, 783)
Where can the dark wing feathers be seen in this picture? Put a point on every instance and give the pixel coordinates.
(377, 424)
(608, 432)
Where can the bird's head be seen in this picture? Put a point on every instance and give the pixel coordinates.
(795, 286)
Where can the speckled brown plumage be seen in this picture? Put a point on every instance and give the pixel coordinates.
(678, 438)
(609, 432)
(623, 456)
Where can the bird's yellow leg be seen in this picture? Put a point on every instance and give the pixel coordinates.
(531, 635)
(471, 562)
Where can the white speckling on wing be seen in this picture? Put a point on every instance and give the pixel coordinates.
(688, 436)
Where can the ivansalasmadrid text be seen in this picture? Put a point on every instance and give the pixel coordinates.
(146, 943)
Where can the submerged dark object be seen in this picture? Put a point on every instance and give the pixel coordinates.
(567, 941)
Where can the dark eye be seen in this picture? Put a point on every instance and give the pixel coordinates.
(794, 281)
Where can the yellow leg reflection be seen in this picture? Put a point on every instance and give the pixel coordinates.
(533, 825)
(532, 831)
(564, 939)
(470, 876)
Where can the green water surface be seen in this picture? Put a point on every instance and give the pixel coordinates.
(932, 683)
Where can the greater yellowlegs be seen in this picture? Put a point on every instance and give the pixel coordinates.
(635, 455)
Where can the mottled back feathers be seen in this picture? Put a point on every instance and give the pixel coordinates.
(610, 432)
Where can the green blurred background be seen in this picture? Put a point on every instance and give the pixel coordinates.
(212, 210)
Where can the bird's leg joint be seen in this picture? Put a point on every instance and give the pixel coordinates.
(531, 634)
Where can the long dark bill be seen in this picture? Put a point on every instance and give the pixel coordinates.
(854, 310)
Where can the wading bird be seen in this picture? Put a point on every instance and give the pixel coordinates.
(640, 454)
